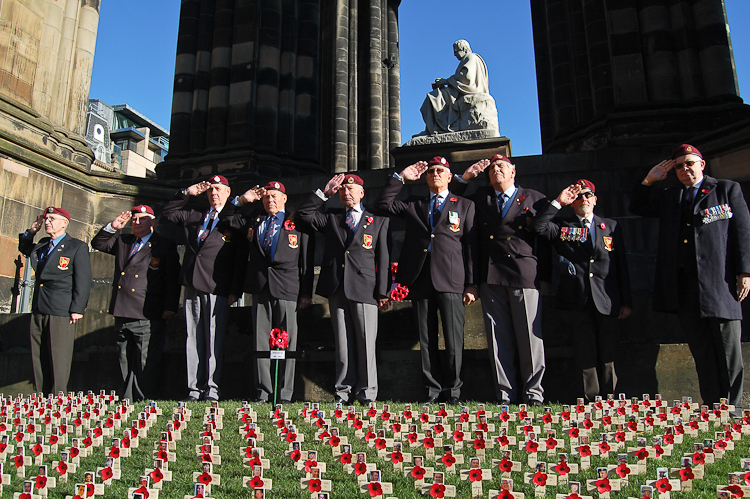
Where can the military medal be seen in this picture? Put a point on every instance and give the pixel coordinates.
(716, 213)
(367, 241)
(293, 242)
(454, 221)
(579, 234)
(154, 265)
(64, 261)
(250, 234)
(607, 243)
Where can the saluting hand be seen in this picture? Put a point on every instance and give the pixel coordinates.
(743, 286)
(333, 185)
(475, 169)
(37, 225)
(122, 219)
(252, 195)
(413, 172)
(199, 188)
(659, 172)
(569, 194)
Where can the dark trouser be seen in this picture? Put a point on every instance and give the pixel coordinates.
(51, 351)
(716, 347)
(439, 378)
(140, 344)
(595, 343)
(269, 313)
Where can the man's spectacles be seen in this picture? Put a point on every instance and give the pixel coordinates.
(585, 195)
(437, 171)
(686, 164)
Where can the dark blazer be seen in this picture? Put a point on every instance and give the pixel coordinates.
(510, 254)
(290, 274)
(601, 271)
(454, 249)
(62, 286)
(362, 266)
(721, 247)
(147, 284)
(215, 266)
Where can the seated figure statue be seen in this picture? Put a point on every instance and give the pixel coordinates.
(463, 101)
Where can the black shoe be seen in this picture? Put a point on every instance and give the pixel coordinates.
(431, 399)
(453, 401)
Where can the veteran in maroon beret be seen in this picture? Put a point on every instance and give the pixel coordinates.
(594, 281)
(438, 264)
(355, 277)
(213, 268)
(145, 294)
(279, 276)
(514, 271)
(62, 269)
(702, 265)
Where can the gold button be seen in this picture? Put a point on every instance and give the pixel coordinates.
(41, 285)
(591, 274)
(136, 276)
(492, 237)
(347, 252)
(685, 241)
(119, 287)
(122, 273)
(592, 260)
(425, 250)
(508, 239)
(509, 256)
(132, 290)
(343, 266)
(520, 226)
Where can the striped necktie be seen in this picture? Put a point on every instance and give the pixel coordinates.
(209, 226)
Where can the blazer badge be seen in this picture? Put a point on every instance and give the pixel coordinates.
(293, 242)
(227, 237)
(154, 264)
(367, 241)
(250, 234)
(64, 262)
(607, 243)
(454, 221)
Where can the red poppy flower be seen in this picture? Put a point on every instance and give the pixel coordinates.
(291, 437)
(125, 442)
(573, 433)
(483, 427)
(313, 485)
(334, 441)
(162, 454)
(620, 411)
(438, 428)
(255, 461)
(562, 468)
(74, 451)
(734, 490)
(687, 474)
(18, 461)
(278, 339)
(531, 446)
(602, 226)
(437, 490)
(619, 436)
(504, 417)
(453, 199)
(396, 427)
(37, 449)
(679, 430)
(323, 435)
(503, 441)
(662, 417)
(380, 443)
(693, 425)
(206, 458)
(504, 494)
(720, 444)
(338, 413)
(3, 447)
(479, 443)
(505, 465)
(98, 432)
(357, 424)
(551, 443)
(565, 415)
(397, 457)
(372, 412)
(25, 495)
(425, 418)
(584, 450)
(62, 467)
(429, 443)
(346, 458)
(360, 468)
(458, 436)
(540, 479)
(606, 420)
(417, 472)
(369, 436)
(310, 464)
(521, 414)
(385, 416)
(475, 475)
(407, 414)
(156, 475)
(205, 478)
(641, 454)
(676, 409)
(19, 436)
(374, 489)
(602, 485)
(41, 482)
(448, 460)
(622, 470)
(288, 225)
(699, 458)
(256, 483)
(547, 418)
(411, 437)
(658, 448)
(140, 490)
(114, 452)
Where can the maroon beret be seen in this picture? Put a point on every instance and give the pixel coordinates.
(440, 161)
(59, 211)
(275, 185)
(350, 178)
(586, 184)
(500, 157)
(219, 179)
(686, 149)
(143, 208)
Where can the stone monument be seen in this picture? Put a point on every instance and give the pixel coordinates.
(460, 107)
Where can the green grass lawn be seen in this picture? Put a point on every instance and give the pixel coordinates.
(286, 478)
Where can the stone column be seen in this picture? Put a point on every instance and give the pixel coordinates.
(600, 64)
(61, 91)
(394, 82)
(220, 75)
(715, 52)
(341, 95)
(184, 78)
(269, 60)
(83, 61)
(307, 88)
(240, 115)
(375, 81)
(658, 54)
(202, 76)
(49, 45)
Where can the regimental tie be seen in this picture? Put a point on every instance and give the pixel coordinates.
(585, 224)
(437, 202)
(45, 254)
(690, 193)
(501, 202)
(209, 226)
(136, 247)
(350, 219)
(271, 228)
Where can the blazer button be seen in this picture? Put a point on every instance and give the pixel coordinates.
(425, 250)
(41, 285)
(508, 239)
(136, 276)
(343, 266)
(592, 260)
(119, 287)
(347, 252)
(510, 256)
(685, 241)
(132, 290)
(492, 237)
(122, 273)
(520, 226)
(432, 236)
(591, 274)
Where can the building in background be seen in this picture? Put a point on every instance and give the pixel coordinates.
(123, 140)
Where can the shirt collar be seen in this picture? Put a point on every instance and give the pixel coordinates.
(697, 185)
(442, 195)
(358, 208)
(509, 192)
(56, 240)
(218, 210)
(145, 239)
(279, 213)
(590, 218)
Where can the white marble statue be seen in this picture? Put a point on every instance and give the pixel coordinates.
(461, 102)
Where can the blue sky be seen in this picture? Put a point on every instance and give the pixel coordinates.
(135, 54)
